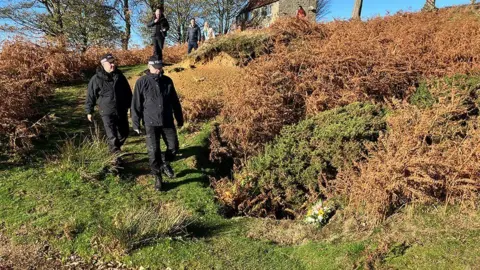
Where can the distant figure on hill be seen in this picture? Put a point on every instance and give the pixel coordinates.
(156, 102)
(110, 89)
(193, 35)
(207, 32)
(301, 14)
(159, 27)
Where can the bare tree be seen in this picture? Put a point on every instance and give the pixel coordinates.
(90, 23)
(357, 10)
(154, 4)
(473, 2)
(124, 13)
(41, 17)
(78, 23)
(429, 5)
(323, 9)
(178, 14)
(222, 12)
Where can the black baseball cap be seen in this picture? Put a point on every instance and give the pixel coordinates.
(107, 58)
(155, 61)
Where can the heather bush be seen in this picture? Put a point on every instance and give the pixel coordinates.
(429, 155)
(298, 166)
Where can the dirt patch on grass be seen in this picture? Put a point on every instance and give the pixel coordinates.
(283, 232)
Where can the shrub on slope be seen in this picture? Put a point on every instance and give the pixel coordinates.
(299, 165)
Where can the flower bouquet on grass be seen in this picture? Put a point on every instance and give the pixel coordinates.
(320, 213)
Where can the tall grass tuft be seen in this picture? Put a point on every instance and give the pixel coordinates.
(133, 227)
(89, 156)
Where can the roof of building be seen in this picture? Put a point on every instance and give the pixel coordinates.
(254, 4)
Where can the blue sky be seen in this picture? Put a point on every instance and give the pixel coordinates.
(342, 9)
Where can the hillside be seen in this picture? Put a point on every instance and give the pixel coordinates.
(375, 121)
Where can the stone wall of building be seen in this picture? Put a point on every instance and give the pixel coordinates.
(279, 9)
(268, 20)
(290, 7)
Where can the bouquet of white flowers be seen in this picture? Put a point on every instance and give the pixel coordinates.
(320, 213)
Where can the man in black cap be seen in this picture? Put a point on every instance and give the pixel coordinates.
(110, 89)
(156, 102)
(159, 27)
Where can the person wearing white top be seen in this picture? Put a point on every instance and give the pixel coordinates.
(207, 32)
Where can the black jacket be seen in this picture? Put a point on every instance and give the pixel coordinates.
(160, 28)
(111, 91)
(193, 34)
(155, 101)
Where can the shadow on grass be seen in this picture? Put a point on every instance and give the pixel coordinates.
(132, 169)
(207, 230)
(169, 185)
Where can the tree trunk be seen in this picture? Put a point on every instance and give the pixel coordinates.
(179, 33)
(128, 25)
(429, 5)
(154, 4)
(58, 20)
(357, 10)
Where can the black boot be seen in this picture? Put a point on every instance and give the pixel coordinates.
(168, 171)
(158, 182)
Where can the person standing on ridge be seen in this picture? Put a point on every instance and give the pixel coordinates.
(156, 102)
(111, 90)
(301, 13)
(159, 27)
(193, 35)
(207, 32)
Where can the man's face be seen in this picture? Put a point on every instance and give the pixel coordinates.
(154, 70)
(192, 22)
(109, 66)
(158, 13)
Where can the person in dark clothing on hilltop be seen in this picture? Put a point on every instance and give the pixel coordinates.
(156, 102)
(159, 27)
(194, 35)
(110, 89)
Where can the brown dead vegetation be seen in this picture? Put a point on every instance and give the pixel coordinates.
(427, 156)
(315, 67)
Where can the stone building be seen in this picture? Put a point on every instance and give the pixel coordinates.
(262, 13)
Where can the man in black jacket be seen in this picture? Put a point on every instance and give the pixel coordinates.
(159, 26)
(193, 35)
(110, 89)
(156, 102)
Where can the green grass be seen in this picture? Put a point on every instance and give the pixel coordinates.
(49, 200)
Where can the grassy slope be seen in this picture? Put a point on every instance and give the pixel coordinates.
(41, 202)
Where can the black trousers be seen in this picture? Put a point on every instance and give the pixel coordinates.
(191, 46)
(158, 43)
(156, 158)
(116, 129)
